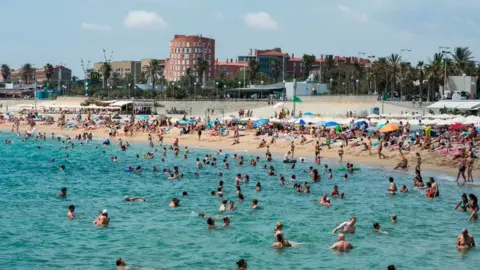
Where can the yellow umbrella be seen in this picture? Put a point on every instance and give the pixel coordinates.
(388, 128)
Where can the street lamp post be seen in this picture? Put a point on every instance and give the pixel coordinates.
(194, 89)
(261, 90)
(331, 86)
(111, 87)
(129, 89)
(216, 96)
(224, 91)
(108, 90)
(464, 84)
(444, 51)
(239, 83)
(356, 89)
(344, 89)
(401, 82)
(173, 90)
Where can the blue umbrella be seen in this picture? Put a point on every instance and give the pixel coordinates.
(320, 123)
(299, 121)
(260, 122)
(308, 114)
(379, 126)
(183, 122)
(331, 124)
(360, 123)
(143, 117)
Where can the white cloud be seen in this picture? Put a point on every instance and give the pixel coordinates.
(260, 20)
(95, 27)
(144, 19)
(359, 16)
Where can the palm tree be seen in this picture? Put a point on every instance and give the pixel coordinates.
(462, 61)
(5, 72)
(308, 61)
(421, 77)
(48, 71)
(404, 74)
(153, 70)
(394, 60)
(330, 65)
(27, 72)
(106, 71)
(435, 71)
(200, 67)
(252, 69)
(275, 68)
(380, 71)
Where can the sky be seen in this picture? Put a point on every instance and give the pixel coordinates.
(66, 31)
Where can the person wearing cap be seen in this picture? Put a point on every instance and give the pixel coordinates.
(128, 199)
(174, 203)
(102, 219)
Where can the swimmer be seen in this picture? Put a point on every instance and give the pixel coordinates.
(121, 264)
(70, 213)
(240, 197)
(226, 221)
(102, 219)
(231, 206)
(465, 240)
(376, 228)
(258, 187)
(335, 192)
(255, 204)
(62, 167)
(174, 203)
(462, 204)
(128, 199)
(199, 164)
(404, 189)
(393, 187)
(325, 201)
(138, 169)
(242, 264)
(223, 206)
(185, 194)
(154, 169)
(211, 223)
(341, 245)
(393, 219)
(281, 242)
(282, 180)
(347, 226)
(62, 193)
(278, 228)
(330, 175)
(345, 177)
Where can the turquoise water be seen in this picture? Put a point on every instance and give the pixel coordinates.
(36, 234)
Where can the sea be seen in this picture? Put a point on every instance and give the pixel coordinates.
(35, 232)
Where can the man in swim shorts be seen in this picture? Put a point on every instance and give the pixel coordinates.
(465, 240)
(393, 186)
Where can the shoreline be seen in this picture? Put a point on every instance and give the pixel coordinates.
(248, 144)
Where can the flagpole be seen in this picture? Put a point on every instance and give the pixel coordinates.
(294, 94)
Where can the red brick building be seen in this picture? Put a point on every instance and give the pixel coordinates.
(184, 51)
(229, 68)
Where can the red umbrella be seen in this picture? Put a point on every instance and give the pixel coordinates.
(457, 126)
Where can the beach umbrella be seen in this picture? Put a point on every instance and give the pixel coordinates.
(260, 123)
(380, 125)
(320, 123)
(297, 100)
(373, 116)
(388, 128)
(299, 121)
(457, 126)
(143, 117)
(183, 122)
(308, 114)
(279, 105)
(276, 120)
(331, 124)
(360, 123)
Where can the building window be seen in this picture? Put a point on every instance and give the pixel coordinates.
(188, 44)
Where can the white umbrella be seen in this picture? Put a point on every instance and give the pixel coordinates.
(276, 120)
(346, 121)
(373, 116)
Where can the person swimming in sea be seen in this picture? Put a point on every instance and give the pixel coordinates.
(102, 219)
(377, 228)
(281, 242)
(465, 240)
(70, 213)
(174, 203)
(62, 193)
(128, 199)
(462, 204)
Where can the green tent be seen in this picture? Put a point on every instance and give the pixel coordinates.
(297, 100)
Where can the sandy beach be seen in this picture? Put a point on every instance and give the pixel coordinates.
(431, 161)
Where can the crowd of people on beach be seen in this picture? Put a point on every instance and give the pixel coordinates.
(343, 137)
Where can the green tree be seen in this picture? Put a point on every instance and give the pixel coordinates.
(252, 70)
(106, 71)
(394, 61)
(435, 77)
(308, 61)
(380, 74)
(48, 71)
(275, 68)
(200, 67)
(462, 61)
(329, 65)
(154, 71)
(27, 72)
(5, 69)
(421, 77)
